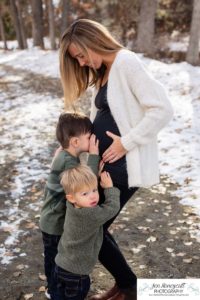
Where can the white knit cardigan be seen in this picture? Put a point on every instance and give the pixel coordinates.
(140, 108)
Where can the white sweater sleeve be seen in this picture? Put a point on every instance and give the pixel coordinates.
(154, 102)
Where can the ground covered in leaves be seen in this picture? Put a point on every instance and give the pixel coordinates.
(155, 232)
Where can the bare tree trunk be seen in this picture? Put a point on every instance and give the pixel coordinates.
(22, 29)
(16, 23)
(102, 6)
(193, 49)
(146, 26)
(65, 14)
(51, 25)
(2, 31)
(37, 23)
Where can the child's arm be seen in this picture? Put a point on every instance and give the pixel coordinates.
(104, 212)
(93, 158)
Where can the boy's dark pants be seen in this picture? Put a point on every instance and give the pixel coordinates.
(69, 286)
(50, 242)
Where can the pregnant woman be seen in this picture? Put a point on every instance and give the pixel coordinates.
(128, 110)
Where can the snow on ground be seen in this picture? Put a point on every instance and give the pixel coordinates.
(32, 59)
(22, 145)
(179, 142)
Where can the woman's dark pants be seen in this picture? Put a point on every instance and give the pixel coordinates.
(110, 255)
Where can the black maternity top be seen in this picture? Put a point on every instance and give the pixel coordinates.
(103, 122)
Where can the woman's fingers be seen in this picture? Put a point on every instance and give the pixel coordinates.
(114, 159)
(107, 152)
(111, 156)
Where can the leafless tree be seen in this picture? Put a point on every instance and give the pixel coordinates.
(21, 22)
(193, 49)
(2, 31)
(37, 23)
(51, 24)
(146, 26)
(65, 15)
(17, 19)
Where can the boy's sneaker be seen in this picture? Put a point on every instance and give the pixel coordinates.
(48, 296)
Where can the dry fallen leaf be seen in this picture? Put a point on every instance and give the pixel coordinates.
(20, 267)
(181, 254)
(169, 250)
(17, 250)
(151, 239)
(156, 201)
(28, 296)
(196, 257)
(8, 253)
(187, 243)
(169, 207)
(17, 274)
(42, 289)
(166, 214)
(181, 221)
(142, 266)
(136, 250)
(31, 225)
(42, 277)
(102, 274)
(173, 232)
(187, 260)
(37, 216)
(142, 246)
(7, 229)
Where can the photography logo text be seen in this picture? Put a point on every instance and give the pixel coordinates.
(168, 289)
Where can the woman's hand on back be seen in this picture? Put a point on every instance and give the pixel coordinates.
(116, 149)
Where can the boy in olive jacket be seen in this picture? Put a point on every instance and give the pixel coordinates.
(74, 135)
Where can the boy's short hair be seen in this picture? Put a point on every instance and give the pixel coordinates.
(76, 179)
(71, 124)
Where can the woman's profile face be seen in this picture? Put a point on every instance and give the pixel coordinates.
(92, 60)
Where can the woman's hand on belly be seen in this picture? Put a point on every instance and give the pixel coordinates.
(116, 149)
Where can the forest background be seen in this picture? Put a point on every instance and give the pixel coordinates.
(142, 25)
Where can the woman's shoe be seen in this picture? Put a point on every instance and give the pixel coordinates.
(128, 294)
(107, 295)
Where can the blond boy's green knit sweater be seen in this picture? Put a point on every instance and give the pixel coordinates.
(53, 210)
(82, 238)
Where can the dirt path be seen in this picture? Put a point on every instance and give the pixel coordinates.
(155, 232)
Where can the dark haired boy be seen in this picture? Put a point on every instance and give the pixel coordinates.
(73, 132)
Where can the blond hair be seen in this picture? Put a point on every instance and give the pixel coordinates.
(84, 34)
(76, 179)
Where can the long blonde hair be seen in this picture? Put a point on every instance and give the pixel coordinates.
(85, 34)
